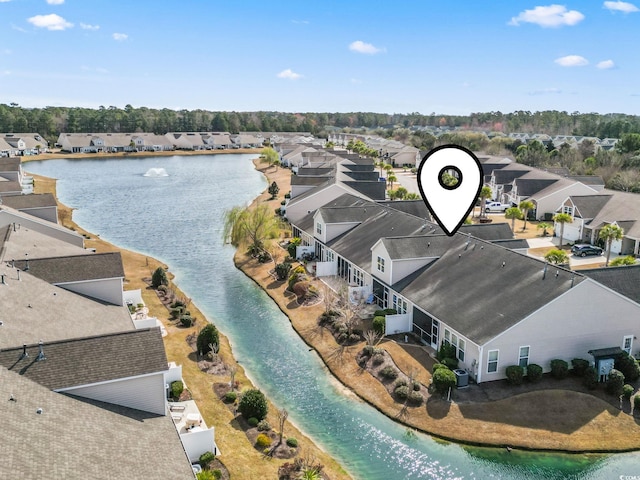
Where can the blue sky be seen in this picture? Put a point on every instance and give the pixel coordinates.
(330, 56)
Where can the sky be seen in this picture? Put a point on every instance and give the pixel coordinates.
(444, 57)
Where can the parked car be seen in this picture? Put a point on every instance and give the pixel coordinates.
(583, 249)
(496, 207)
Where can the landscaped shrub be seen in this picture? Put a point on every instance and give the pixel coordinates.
(253, 422)
(402, 392)
(436, 366)
(300, 289)
(443, 379)
(615, 382)
(217, 474)
(291, 248)
(176, 388)
(354, 338)
(263, 426)
(636, 403)
(627, 390)
(186, 321)
(297, 274)
(416, 386)
(253, 404)
(263, 441)
(207, 336)
(628, 365)
(515, 373)
(159, 277)
(292, 442)
(377, 358)
(379, 324)
(446, 350)
(177, 303)
(559, 368)
(230, 397)
(389, 372)
(579, 366)
(450, 363)
(176, 312)
(163, 288)
(590, 378)
(534, 372)
(415, 397)
(282, 270)
(367, 351)
(400, 383)
(206, 458)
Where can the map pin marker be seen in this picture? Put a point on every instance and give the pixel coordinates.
(449, 201)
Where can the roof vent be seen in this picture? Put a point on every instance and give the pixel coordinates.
(40, 356)
(544, 272)
(557, 273)
(503, 264)
(2, 279)
(24, 353)
(39, 411)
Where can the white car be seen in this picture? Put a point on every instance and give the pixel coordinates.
(496, 207)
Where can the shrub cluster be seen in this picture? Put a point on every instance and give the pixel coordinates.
(559, 368)
(230, 397)
(628, 365)
(263, 426)
(443, 379)
(292, 442)
(253, 422)
(401, 392)
(579, 366)
(379, 324)
(208, 336)
(534, 372)
(263, 441)
(177, 388)
(253, 404)
(389, 372)
(206, 458)
(615, 382)
(627, 390)
(282, 270)
(515, 374)
(159, 277)
(590, 378)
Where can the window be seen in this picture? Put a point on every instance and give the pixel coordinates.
(627, 342)
(381, 264)
(399, 304)
(319, 228)
(453, 339)
(568, 210)
(492, 361)
(447, 336)
(523, 357)
(461, 347)
(358, 277)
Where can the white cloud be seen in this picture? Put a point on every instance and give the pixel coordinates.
(572, 61)
(605, 64)
(361, 47)
(4, 1)
(289, 74)
(19, 29)
(549, 16)
(55, 2)
(50, 22)
(120, 37)
(86, 26)
(621, 7)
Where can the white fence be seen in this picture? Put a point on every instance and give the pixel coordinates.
(399, 323)
(326, 269)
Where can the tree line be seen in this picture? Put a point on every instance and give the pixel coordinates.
(50, 121)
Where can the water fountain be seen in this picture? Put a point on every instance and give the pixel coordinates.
(156, 172)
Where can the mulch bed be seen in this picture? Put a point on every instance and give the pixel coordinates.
(282, 450)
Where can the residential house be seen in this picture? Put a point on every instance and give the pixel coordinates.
(43, 206)
(591, 212)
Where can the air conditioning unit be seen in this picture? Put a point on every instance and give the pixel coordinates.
(462, 378)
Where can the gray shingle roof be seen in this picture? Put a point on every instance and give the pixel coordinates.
(589, 205)
(624, 280)
(417, 208)
(77, 439)
(102, 358)
(20, 202)
(76, 268)
(453, 287)
(488, 231)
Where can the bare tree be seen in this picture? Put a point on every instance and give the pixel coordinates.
(371, 337)
(232, 376)
(213, 353)
(282, 415)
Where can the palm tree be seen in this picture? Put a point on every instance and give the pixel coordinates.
(401, 193)
(562, 218)
(388, 168)
(390, 179)
(380, 164)
(412, 196)
(511, 214)
(485, 193)
(557, 257)
(544, 226)
(609, 233)
(393, 194)
(525, 206)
